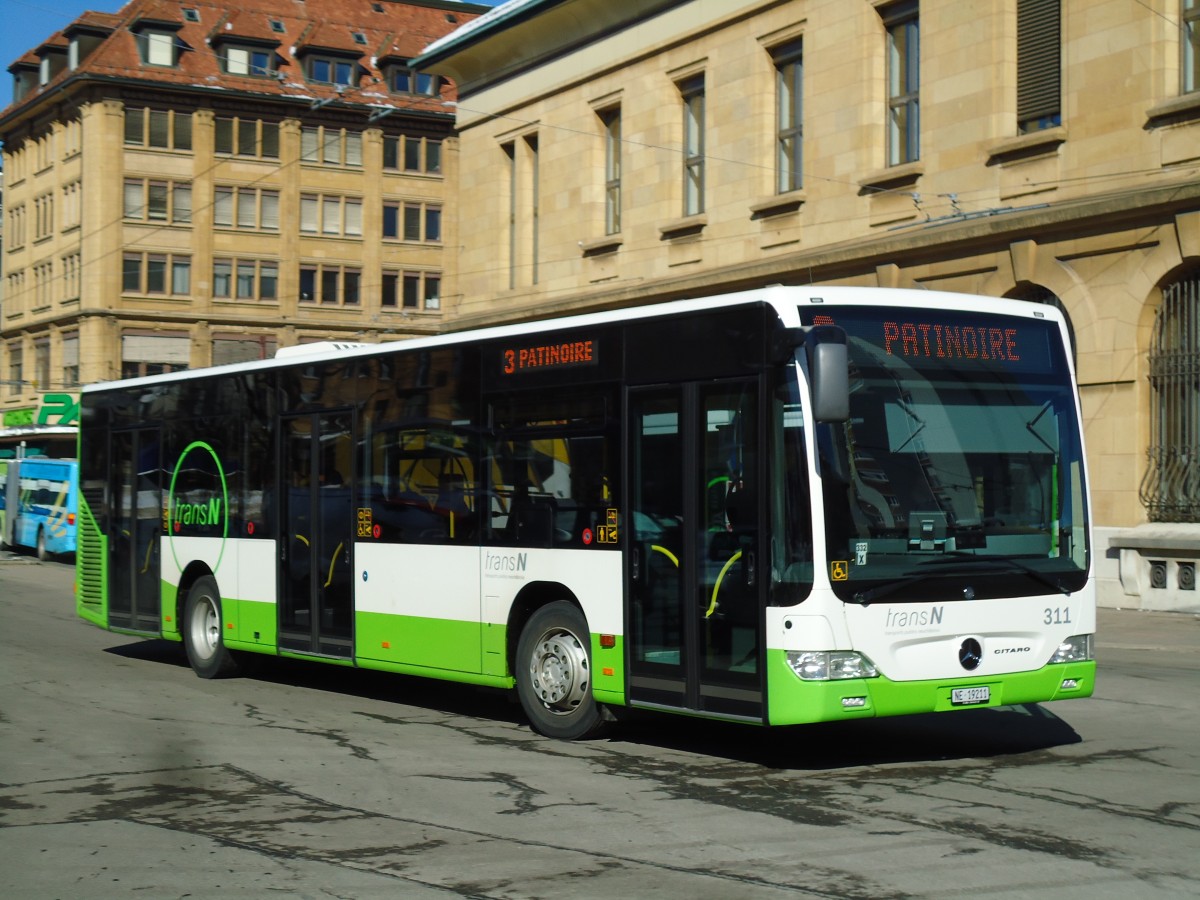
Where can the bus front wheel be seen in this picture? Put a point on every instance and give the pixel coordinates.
(42, 553)
(554, 673)
(206, 650)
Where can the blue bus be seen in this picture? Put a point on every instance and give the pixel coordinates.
(39, 503)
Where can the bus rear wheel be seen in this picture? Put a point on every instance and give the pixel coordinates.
(206, 651)
(42, 553)
(554, 674)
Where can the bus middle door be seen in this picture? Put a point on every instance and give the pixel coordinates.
(316, 588)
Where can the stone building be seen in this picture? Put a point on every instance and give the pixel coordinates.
(622, 153)
(192, 182)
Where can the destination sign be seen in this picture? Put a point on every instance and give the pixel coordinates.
(926, 338)
(548, 356)
(946, 341)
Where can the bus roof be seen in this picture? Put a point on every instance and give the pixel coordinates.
(784, 299)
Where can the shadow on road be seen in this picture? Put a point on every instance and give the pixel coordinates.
(964, 734)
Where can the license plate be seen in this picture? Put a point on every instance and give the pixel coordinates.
(970, 696)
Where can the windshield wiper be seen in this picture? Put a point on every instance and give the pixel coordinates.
(961, 556)
(866, 598)
(960, 561)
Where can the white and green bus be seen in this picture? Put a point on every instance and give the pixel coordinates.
(790, 505)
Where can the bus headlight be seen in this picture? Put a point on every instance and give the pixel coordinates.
(830, 665)
(1077, 648)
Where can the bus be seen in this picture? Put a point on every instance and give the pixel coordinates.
(39, 505)
(784, 506)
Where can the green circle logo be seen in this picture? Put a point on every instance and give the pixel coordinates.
(203, 502)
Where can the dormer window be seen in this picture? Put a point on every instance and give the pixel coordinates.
(83, 39)
(256, 62)
(157, 47)
(406, 80)
(359, 37)
(277, 26)
(330, 70)
(53, 59)
(25, 79)
(191, 15)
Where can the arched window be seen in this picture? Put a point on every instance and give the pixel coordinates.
(1170, 490)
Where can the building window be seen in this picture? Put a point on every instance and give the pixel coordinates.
(330, 146)
(1039, 65)
(1191, 46)
(41, 364)
(16, 369)
(1170, 489)
(405, 80)
(43, 281)
(323, 214)
(72, 205)
(789, 119)
(610, 119)
(43, 208)
(147, 200)
(159, 128)
(245, 279)
(70, 280)
(412, 221)
(157, 48)
(330, 285)
(157, 274)
(146, 354)
(903, 83)
(412, 154)
(70, 360)
(411, 290)
(15, 232)
(228, 350)
(692, 93)
(252, 209)
(246, 137)
(327, 70)
(255, 62)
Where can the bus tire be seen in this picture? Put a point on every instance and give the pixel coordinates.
(202, 633)
(42, 553)
(554, 674)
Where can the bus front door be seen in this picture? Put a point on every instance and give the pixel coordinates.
(316, 589)
(135, 587)
(694, 613)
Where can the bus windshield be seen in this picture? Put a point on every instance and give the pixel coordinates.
(959, 474)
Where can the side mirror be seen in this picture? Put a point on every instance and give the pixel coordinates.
(829, 372)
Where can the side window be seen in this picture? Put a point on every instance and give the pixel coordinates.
(419, 472)
(790, 529)
(552, 467)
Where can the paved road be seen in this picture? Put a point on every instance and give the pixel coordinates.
(122, 773)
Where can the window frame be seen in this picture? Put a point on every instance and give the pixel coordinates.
(1039, 79)
(788, 60)
(902, 44)
(692, 95)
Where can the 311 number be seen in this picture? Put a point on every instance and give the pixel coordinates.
(1060, 615)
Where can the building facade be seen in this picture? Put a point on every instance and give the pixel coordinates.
(621, 153)
(190, 183)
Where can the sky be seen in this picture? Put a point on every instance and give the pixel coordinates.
(26, 23)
